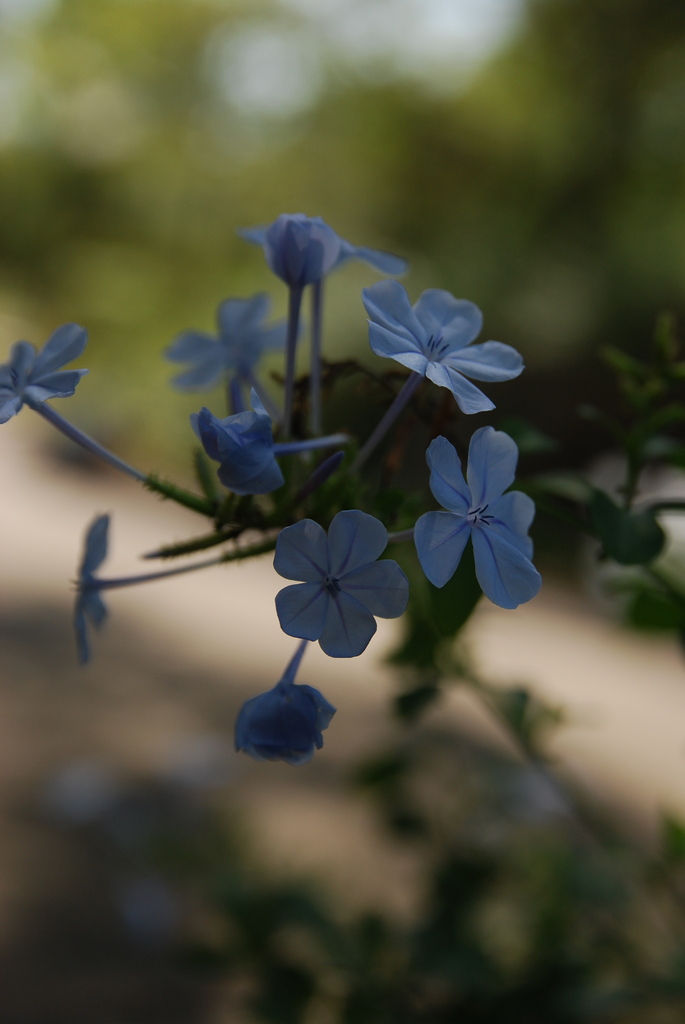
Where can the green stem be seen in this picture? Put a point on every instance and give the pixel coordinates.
(181, 496)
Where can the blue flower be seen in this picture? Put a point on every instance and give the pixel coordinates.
(286, 722)
(431, 338)
(90, 608)
(242, 339)
(33, 378)
(344, 586)
(244, 445)
(497, 523)
(302, 250)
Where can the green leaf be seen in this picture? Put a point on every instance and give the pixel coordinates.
(652, 609)
(451, 605)
(673, 835)
(411, 704)
(630, 538)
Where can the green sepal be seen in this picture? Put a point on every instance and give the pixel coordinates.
(630, 538)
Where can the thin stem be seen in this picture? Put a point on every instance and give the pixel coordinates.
(294, 303)
(235, 395)
(315, 370)
(129, 581)
(408, 388)
(292, 447)
(319, 477)
(76, 435)
(288, 677)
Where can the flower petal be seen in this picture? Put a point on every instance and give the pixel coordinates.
(95, 546)
(406, 351)
(491, 361)
(302, 552)
(9, 406)
(388, 305)
(386, 262)
(456, 321)
(512, 515)
(348, 629)
(440, 539)
(280, 725)
(492, 465)
(192, 346)
(447, 480)
(251, 472)
(53, 385)
(63, 345)
(240, 316)
(504, 573)
(354, 539)
(468, 397)
(301, 609)
(382, 587)
(204, 375)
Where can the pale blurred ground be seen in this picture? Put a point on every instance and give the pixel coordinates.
(172, 666)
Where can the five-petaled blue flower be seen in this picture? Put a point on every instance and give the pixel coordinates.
(242, 339)
(286, 722)
(344, 586)
(497, 523)
(302, 250)
(90, 608)
(434, 337)
(32, 379)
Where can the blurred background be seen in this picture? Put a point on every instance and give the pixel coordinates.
(528, 156)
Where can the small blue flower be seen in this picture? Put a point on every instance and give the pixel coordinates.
(302, 250)
(286, 722)
(497, 523)
(33, 378)
(242, 339)
(90, 608)
(431, 338)
(344, 586)
(244, 445)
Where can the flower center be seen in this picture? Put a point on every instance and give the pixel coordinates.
(436, 347)
(332, 585)
(478, 517)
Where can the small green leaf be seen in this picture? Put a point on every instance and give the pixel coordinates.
(409, 705)
(630, 538)
(529, 439)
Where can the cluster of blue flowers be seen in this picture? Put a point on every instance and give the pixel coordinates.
(342, 584)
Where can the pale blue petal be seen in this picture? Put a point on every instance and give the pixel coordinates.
(63, 345)
(391, 345)
(94, 607)
(491, 361)
(258, 474)
(242, 316)
(95, 546)
(456, 321)
(300, 250)
(512, 515)
(388, 305)
(505, 575)
(447, 480)
(256, 235)
(21, 362)
(440, 539)
(301, 609)
(258, 405)
(203, 376)
(206, 426)
(354, 539)
(468, 397)
(81, 630)
(53, 385)
(302, 552)
(382, 587)
(492, 465)
(192, 346)
(348, 628)
(386, 262)
(9, 406)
